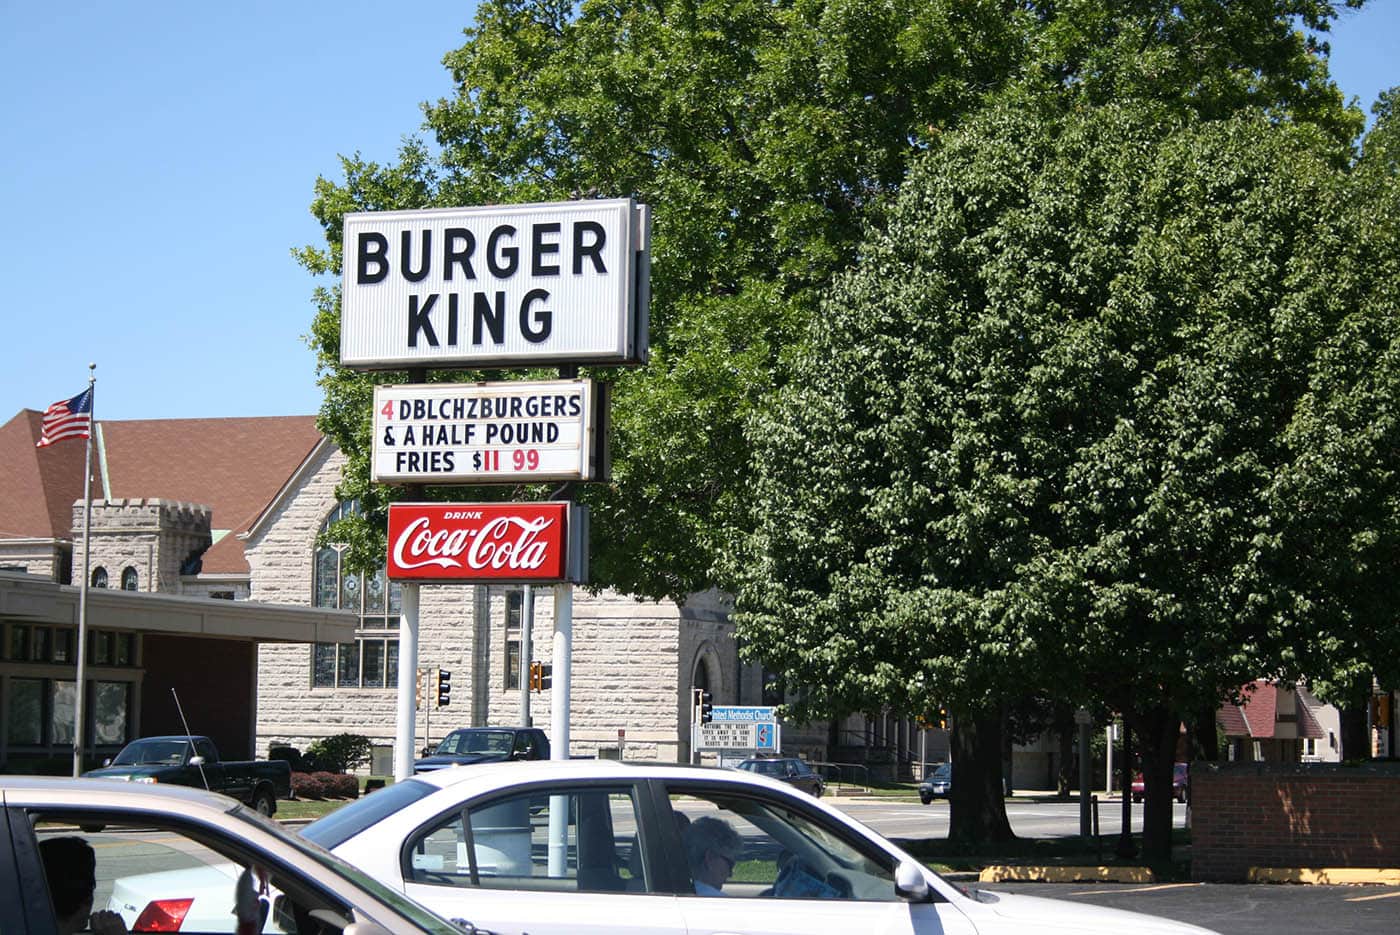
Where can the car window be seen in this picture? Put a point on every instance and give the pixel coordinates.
(581, 840)
(205, 749)
(763, 767)
(142, 752)
(750, 846)
(164, 879)
(344, 823)
(475, 741)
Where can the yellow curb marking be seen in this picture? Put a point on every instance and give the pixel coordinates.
(1008, 874)
(1325, 875)
(1362, 899)
(1136, 889)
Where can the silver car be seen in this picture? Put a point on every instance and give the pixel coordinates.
(178, 859)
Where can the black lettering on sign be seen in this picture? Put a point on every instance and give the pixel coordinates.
(373, 252)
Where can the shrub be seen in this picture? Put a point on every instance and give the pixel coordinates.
(340, 753)
(291, 755)
(307, 786)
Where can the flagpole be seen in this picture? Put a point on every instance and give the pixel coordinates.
(83, 586)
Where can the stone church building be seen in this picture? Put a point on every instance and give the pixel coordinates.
(200, 520)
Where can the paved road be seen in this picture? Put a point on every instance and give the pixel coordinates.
(1243, 910)
(1237, 910)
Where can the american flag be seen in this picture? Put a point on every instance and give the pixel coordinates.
(67, 418)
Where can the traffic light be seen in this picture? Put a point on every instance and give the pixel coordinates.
(540, 676)
(444, 688)
(943, 718)
(707, 711)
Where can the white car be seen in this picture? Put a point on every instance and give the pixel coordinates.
(580, 846)
(173, 857)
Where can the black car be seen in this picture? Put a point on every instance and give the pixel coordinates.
(470, 745)
(938, 784)
(791, 770)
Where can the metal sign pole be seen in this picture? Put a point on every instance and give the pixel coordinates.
(408, 662)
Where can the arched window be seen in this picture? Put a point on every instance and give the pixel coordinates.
(99, 577)
(372, 661)
(128, 579)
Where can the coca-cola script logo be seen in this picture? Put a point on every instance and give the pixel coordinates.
(482, 541)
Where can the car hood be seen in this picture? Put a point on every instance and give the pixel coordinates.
(1014, 912)
(427, 764)
(125, 772)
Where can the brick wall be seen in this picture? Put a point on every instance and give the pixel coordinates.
(1247, 815)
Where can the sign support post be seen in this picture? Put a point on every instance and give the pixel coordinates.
(408, 662)
(527, 623)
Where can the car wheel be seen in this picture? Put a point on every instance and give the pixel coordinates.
(264, 803)
(925, 798)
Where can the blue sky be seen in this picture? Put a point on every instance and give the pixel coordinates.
(156, 169)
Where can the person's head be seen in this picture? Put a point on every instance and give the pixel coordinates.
(712, 848)
(71, 869)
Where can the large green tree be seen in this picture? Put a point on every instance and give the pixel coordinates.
(764, 135)
(1038, 439)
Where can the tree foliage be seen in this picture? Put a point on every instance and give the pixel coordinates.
(765, 135)
(1068, 426)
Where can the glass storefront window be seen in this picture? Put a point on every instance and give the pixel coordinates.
(26, 711)
(64, 707)
(110, 703)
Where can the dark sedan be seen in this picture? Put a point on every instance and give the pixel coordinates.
(790, 770)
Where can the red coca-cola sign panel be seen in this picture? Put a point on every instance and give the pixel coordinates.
(494, 542)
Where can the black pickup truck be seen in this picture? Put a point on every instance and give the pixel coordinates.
(194, 761)
(468, 745)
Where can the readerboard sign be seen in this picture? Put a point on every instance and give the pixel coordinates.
(525, 285)
(483, 433)
(506, 543)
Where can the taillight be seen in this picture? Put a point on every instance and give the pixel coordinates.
(162, 915)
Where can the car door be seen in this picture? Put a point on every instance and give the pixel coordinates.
(781, 868)
(547, 860)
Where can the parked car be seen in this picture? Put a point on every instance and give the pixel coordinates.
(194, 761)
(790, 769)
(1181, 783)
(594, 846)
(938, 783)
(201, 843)
(470, 745)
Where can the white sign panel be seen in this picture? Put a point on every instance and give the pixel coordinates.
(525, 285)
(481, 433)
(727, 735)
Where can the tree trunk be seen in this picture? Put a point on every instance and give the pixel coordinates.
(1158, 732)
(1206, 740)
(977, 807)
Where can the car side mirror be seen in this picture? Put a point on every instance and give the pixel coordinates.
(107, 761)
(196, 761)
(910, 882)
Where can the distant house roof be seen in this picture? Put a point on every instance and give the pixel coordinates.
(37, 485)
(1258, 715)
(233, 466)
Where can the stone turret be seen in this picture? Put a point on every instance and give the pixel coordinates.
(152, 538)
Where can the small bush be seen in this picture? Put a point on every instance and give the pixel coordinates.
(308, 786)
(340, 753)
(337, 785)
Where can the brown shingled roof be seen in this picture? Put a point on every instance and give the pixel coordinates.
(37, 485)
(233, 466)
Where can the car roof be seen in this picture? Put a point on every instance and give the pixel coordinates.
(495, 775)
(101, 791)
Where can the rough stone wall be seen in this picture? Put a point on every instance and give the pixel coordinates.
(41, 560)
(1246, 815)
(627, 668)
(153, 536)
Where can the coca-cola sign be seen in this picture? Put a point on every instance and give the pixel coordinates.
(490, 542)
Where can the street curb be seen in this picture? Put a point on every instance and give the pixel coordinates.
(1011, 874)
(1326, 876)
